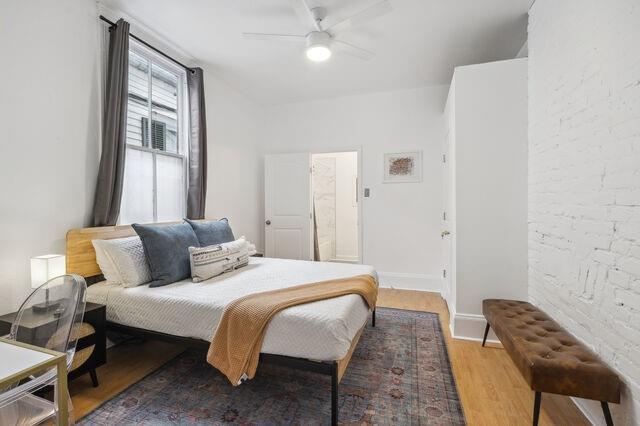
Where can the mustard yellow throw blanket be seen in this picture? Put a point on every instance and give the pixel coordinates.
(236, 346)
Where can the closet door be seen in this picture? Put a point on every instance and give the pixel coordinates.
(447, 222)
(287, 206)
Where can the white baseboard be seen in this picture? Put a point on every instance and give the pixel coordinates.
(470, 327)
(406, 281)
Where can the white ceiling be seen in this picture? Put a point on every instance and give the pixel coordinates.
(418, 44)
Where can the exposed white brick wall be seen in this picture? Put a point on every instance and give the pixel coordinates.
(584, 178)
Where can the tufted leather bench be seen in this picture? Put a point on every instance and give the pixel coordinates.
(550, 359)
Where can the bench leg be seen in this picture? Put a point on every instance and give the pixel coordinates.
(536, 408)
(373, 318)
(607, 413)
(486, 332)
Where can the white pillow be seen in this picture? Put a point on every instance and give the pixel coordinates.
(105, 263)
(122, 261)
(208, 262)
(251, 248)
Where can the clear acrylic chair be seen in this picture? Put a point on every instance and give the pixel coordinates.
(58, 305)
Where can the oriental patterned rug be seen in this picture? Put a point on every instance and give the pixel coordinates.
(400, 374)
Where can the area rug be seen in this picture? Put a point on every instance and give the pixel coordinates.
(399, 374)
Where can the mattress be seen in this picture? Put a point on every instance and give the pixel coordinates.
(321, 330)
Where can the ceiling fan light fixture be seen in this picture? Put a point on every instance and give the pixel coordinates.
(318, 43)
(318, 53)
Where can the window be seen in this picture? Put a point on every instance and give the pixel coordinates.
(155, 177)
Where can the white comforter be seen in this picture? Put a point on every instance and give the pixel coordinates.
(320, 330)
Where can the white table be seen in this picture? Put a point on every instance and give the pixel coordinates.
(20, 360)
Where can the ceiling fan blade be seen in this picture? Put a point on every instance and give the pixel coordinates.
(265, 36)
(372, 12)
(304, 13)
(350, 49)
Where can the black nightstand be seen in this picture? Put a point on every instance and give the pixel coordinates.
(91, 349)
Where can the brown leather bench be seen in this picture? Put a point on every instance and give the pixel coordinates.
(550, 359)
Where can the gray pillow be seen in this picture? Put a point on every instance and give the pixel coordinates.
(166, 248)
(212, 232)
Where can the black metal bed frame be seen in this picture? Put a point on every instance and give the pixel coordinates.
(328, 368)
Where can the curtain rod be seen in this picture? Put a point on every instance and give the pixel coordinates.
(113, 24)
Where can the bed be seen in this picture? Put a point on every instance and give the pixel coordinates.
(319, 336)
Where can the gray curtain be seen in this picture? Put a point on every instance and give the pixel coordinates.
(106, 206)
(197, 190)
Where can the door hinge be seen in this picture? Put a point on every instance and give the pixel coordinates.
(444, 273)
(444, 215)
(444, 158)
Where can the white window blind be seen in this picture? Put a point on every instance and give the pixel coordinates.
(155, 178)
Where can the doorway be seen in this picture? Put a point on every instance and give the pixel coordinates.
(335, 210)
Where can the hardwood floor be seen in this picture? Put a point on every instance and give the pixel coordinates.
(490, 387)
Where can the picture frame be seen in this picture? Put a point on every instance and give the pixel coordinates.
(403, 167)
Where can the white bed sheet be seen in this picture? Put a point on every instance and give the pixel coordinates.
(320, 330)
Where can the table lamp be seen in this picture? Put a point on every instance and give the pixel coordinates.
(44, 268)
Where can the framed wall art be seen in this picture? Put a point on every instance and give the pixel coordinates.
(403, 167)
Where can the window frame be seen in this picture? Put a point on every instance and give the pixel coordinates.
(182, 123)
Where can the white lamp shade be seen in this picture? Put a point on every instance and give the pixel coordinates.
(44, 268)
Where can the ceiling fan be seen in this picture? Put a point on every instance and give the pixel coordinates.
(321, 40)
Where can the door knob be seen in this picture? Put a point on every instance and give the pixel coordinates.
(268, 222)
(445, 233)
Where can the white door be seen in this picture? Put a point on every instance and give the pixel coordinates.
(287, 206)
(446, 221)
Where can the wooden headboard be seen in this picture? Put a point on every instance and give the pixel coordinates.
(81, 257)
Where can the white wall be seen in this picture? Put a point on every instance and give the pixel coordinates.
(235, 167)
(584, 180)
(490, 161)
(401, 222)
(48, 129)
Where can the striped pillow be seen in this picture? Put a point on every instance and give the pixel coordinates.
(208, 262)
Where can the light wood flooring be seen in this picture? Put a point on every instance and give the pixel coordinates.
(490, 387)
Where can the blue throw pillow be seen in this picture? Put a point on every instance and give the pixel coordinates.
(212, 232)
(166, 248)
